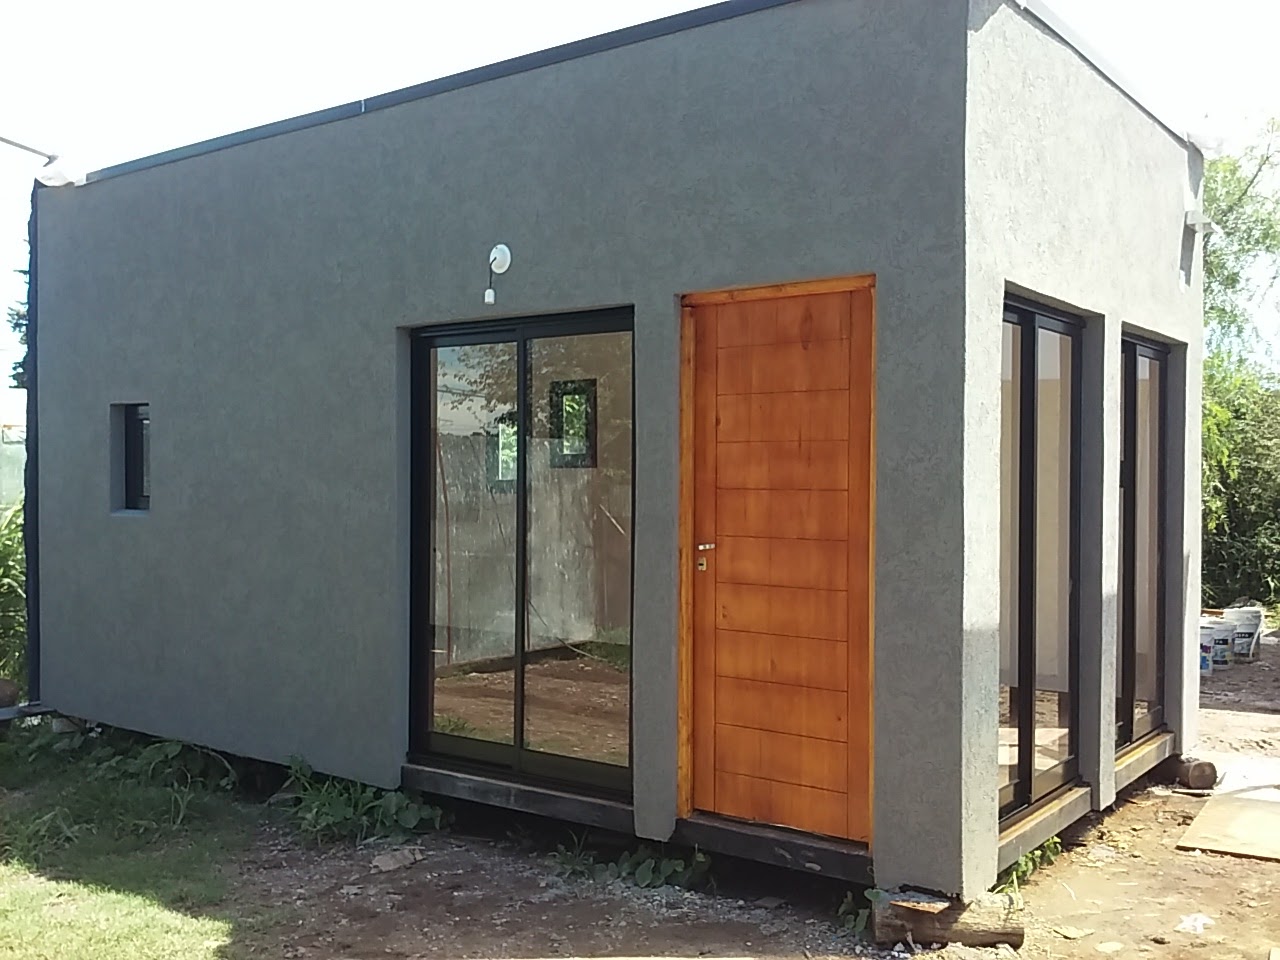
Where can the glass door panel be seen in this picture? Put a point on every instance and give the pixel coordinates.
(521, 605)
(1054, 710)
(1140, 651)
(1010, 471)
(577, 654)
(473, 536)
(1147, 661)
(1039, 649)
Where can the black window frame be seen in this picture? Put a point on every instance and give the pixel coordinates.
(1128, 729)
(137, 456)
(1029, 788)
(513, 761)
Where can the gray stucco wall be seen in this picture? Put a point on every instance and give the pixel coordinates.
(258, 299)
(1076, 197)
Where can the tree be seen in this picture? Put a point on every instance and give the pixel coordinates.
(18, 323)
(1240, 469)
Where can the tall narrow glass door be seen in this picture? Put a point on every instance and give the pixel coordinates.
(1140, 663)
(473, 541)
(1039, 499)
(522, 547)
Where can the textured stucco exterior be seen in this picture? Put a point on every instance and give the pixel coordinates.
(1075, 196)
(260, 299)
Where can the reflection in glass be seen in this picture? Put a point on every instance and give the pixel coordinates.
(473, 616)
(1146, 592)
(578, 617)
(1010, 466)
(1053, 709)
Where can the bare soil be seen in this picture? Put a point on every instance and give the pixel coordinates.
(1121, 889)
(1124, 879)
(479, 897)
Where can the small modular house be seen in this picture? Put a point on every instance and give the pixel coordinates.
(817, 482)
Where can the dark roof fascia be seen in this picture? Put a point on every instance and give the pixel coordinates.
(677, 23)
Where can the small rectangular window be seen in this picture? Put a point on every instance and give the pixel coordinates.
(500, 451)
(137, 456)
(573, 423)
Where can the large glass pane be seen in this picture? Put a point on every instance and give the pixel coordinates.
(577, 687)
(1053, 713)
(473, 541)
(1146, 593)
(1010, 464)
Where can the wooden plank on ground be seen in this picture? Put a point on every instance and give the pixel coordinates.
(1244, 826)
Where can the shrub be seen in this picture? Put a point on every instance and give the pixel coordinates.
(330, 808)
(13, 598)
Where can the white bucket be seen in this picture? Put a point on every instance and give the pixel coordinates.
(1206, 648)
(1247, 635)
(1223, 635)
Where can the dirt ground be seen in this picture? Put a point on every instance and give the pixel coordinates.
(1121, 888)
(1123, 877)
(480, 897)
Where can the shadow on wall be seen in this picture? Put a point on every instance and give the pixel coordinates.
(1195, 182)
(980, 11)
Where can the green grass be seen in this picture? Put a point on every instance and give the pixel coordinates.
(103, 859)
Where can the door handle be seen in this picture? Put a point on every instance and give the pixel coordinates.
(702, 561)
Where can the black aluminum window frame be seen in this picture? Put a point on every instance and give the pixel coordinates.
(508, 760)
(1030, 788)
(1128, 729)
(137, 454)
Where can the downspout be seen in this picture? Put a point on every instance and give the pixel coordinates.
(31, 473)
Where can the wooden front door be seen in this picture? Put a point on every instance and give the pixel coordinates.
(778, 477)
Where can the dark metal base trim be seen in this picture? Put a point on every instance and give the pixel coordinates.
(841, 859)
(544, 801)
(23, 710)
(1142, 757)
(1037, 824)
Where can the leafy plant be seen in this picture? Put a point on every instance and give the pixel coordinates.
(1016, 874)
(329, 809)
(852, 915)
(645, 866)
(30, 840)
(457, 726)
(13, 598)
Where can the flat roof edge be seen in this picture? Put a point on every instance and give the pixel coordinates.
(1043, 11)
(576, 49)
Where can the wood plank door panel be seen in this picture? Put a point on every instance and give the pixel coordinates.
(779, 579)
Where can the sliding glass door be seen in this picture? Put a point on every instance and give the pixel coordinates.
(1140, 662)
(1039, 650)
(522, 474)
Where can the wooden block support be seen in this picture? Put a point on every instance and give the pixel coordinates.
(1193, 773)
(987, 921)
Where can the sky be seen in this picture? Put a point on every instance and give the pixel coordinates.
(103, 83)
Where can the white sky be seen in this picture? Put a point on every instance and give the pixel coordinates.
(100, 83)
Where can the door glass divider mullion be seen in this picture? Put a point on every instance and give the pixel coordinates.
(1026, 560)
(522, 540)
